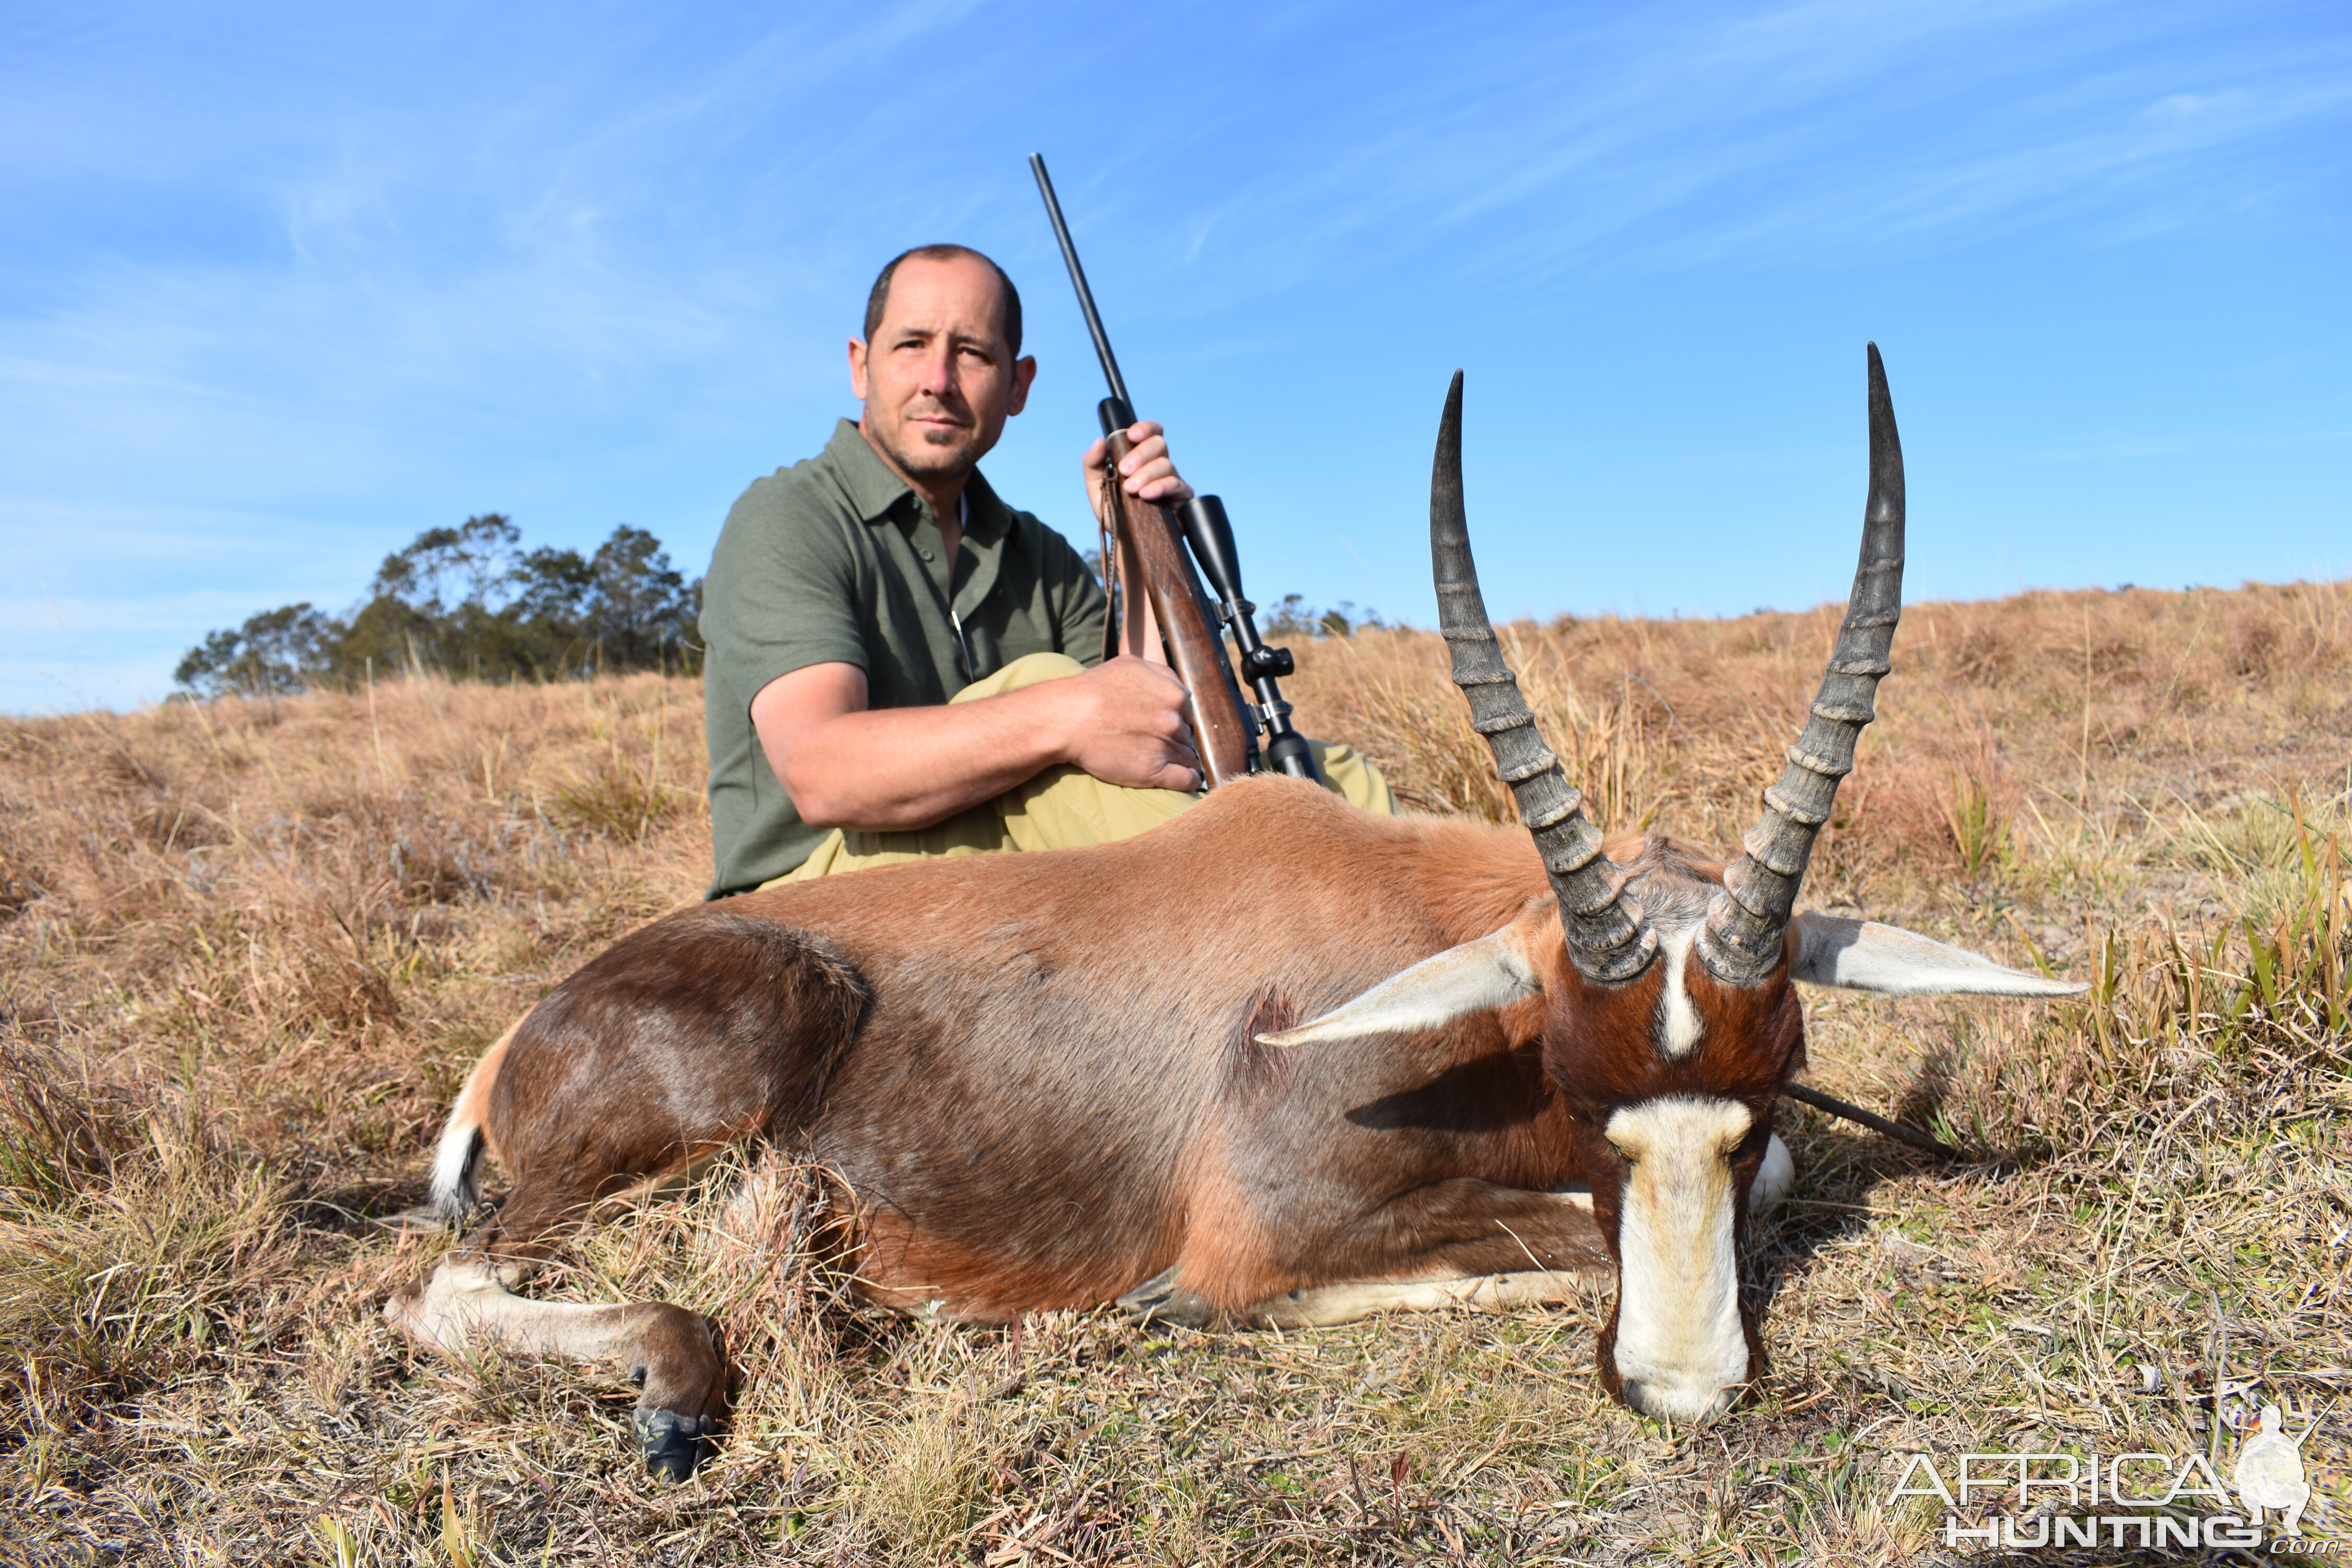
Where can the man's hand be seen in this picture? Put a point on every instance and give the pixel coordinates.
(1130, 728)
(1148, 473)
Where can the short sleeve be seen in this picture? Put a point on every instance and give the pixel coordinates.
(1072, 595)
(783, 588)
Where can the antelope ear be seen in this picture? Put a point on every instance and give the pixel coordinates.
(1862, 955)
(1488, 972)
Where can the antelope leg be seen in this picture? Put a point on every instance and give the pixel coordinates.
(674, 1354)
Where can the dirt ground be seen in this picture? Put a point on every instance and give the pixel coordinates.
(249, 949)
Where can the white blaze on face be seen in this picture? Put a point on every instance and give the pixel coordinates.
(1679, 1026)
(1680, 1347)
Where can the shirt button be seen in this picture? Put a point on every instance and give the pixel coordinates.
(924, 554)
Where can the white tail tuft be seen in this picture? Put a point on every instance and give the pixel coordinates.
(459, 1159)
(454, 1191)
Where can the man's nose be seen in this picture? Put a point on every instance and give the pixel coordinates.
(939, 373)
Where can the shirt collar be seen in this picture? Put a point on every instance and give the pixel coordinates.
(985, 517)
(876, 489)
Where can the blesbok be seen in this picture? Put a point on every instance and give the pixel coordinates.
(1062, 1079)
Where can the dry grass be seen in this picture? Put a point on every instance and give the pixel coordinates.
(246, 951)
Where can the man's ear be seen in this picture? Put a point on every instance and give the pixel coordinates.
(1024, 371)
(858, 369)
(1862, 955)
(1491, 972)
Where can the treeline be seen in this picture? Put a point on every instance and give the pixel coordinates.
(1292, 616)
(470, 603)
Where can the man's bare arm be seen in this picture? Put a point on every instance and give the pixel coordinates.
(846, 765)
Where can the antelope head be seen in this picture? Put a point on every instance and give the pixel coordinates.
(1671, 1015)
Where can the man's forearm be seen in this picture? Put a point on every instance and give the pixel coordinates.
(893, 769)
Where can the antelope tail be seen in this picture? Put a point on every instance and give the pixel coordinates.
(458, 1161)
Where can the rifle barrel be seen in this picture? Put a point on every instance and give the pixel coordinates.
(1078, 276)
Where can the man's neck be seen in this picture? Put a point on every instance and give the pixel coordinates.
(945, 495)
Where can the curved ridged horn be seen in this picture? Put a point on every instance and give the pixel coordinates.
(1746, 920)
(1603, 942)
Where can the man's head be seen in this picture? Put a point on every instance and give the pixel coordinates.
(939, 369)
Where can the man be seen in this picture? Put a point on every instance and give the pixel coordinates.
(901, 665)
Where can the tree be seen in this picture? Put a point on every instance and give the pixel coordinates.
(480, 554)
(640, 610)
(274, 654)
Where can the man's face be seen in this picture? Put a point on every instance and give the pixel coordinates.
(939, 380)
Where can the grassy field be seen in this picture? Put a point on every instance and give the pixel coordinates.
(248, 951)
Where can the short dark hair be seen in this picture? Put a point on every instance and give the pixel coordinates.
(879, 300)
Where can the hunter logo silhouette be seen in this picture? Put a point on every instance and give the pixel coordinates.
(2270, 1472)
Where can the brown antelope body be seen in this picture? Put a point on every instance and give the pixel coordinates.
(1067, 1079)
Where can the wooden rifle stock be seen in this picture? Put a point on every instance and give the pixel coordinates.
(1222, 731)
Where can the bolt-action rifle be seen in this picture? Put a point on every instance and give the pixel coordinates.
(1141, 551)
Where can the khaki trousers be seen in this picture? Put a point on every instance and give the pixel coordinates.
(1061, 807)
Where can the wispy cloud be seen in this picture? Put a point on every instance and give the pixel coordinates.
(1813, 134)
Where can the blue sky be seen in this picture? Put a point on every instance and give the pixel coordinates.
(283, 286)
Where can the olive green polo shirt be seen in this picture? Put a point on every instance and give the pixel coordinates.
(838, 561)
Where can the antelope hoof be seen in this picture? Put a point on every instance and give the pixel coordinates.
(1162, 1299)
(684, 1376)
(672, 1443)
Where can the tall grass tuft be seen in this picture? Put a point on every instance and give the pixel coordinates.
(129, 1239)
